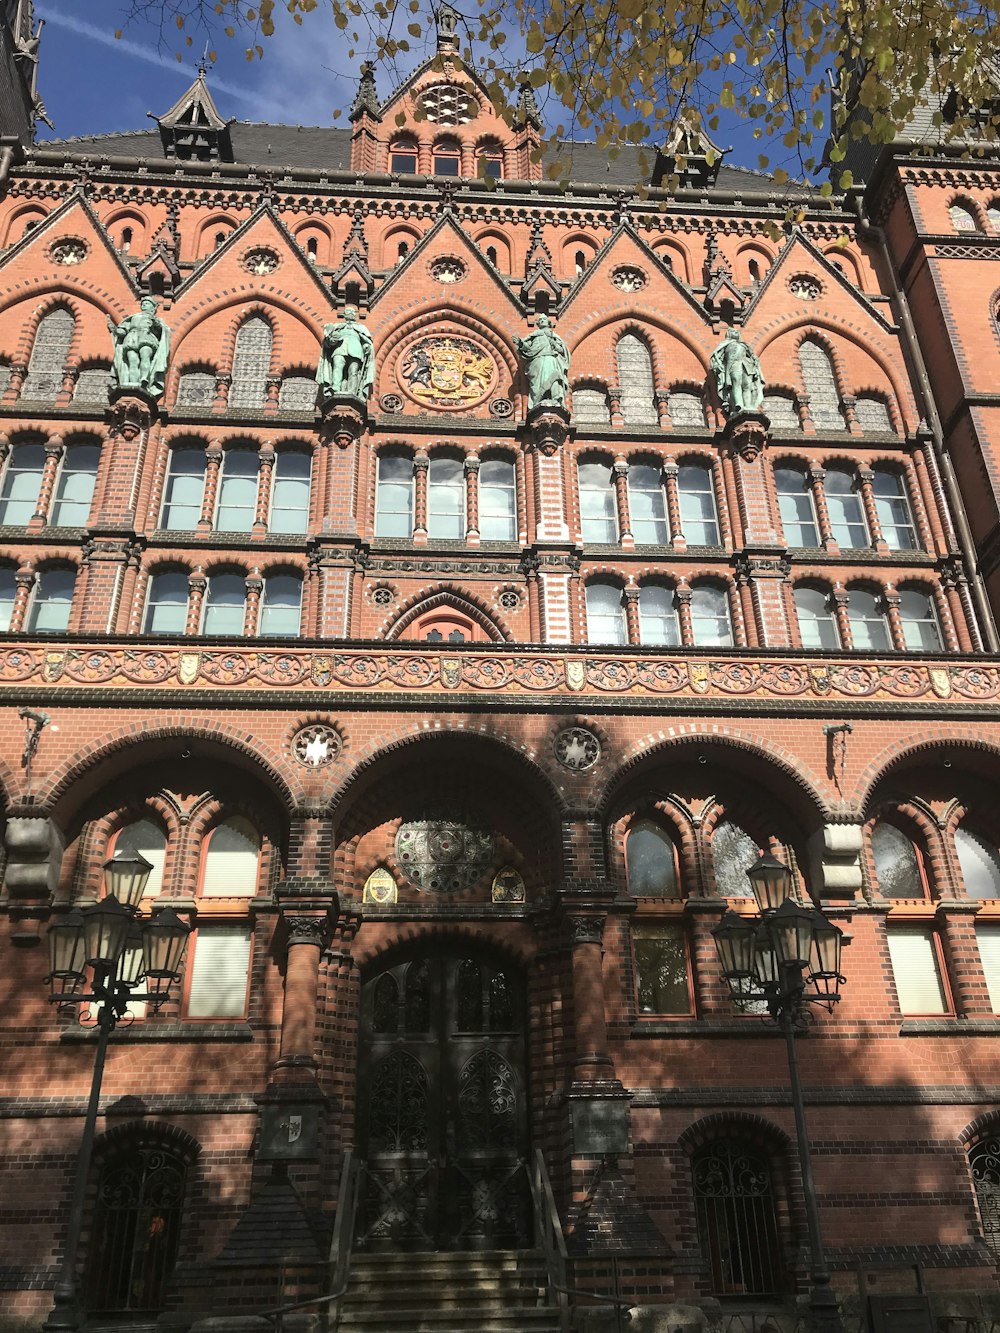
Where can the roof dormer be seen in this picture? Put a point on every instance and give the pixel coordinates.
(193, 129)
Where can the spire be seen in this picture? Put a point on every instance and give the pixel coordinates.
(193, 128)
(526, 112)
(366, 98)
(447, 29)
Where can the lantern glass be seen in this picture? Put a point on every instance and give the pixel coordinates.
(126, 876)
(791, 930)
(734, 937)
(131, 963)
(827, 941)
(765, 960)
(105, 930)
(164, 940)
(771, 881)
(67, 952)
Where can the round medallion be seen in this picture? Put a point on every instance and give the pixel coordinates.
(805, 286)
(382, 596)
(577, 748)
(447, 269)
(509, 599)
(501, 407)
(261, 261)
(443, 855)
(316, 745)
(391, 403)
(71, 250)
(628, 279)
(447, 372)
(447, 104)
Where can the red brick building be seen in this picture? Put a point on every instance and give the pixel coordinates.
(451, 732)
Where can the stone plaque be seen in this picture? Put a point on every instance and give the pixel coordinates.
(288, 1132)
(600, 1126)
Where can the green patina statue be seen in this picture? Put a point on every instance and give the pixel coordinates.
(737, 375)
(142, 346)
(347, 359)
(545, 358)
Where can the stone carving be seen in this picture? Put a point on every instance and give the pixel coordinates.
(577, 748)
(261, 261)
(508, 886)
(447, 371)
(71, 250)
(443, 855)
(391, 403)
(804, 286)
(587, 929)
(447, 269)
(142, 346)
(545, 358)
(316, 745)
(347, 359)
(501, 407)
(380, 888)
(737, 375)
(628, 278)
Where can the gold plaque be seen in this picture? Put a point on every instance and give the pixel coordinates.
(380, 887)
(188, 668)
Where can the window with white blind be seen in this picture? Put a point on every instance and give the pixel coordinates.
(989, 955)
(231, 860)
(605, 614)
(497, 501)
(647, 506)
(290, 492)
(598, 513)
(148, 840)
(75, 490)
(52, 601)
(8, 594)
(281, 605)
(167, 603)
(183, 490)
(980, 863)
(916, 971)
(446, 497)
(224, 609)
(219, 972)
(236, 506)
(699, 520)
(22, 479)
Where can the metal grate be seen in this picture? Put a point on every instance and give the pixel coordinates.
(736, 1219)
(635, 379)
(196, 389)
(251, 363)
(821, 386)
(298, 394)
(48, 355)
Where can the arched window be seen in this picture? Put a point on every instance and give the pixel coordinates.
(312, 249)
(980, 863)
(963, 217)
(281, 605)
(658, 623)
(598, 512)
(635, 380)
(590, 406)
(22, 479)
(196, 388)
(251, 363)
(236, 506)
(125, 243)
(225, 605)
(497, 501)
(699, 520)
(605, 614)
(817, 623)
(8, 592)
(184, 489)
(651, 861)
(290, 492)
(580, 262)
(48, 355)
(647, 506)
(892, 504)
(873, 415)
(490, 162)
(795, 504)
(297, 393)
(491, 254)
(686, 408)
(984, 1163)
(232, 860)
(403, 158)
(445, 497)
(753, 268)
(993, 214)
(136, 1229)
(921, 631)
(145, 838)
(733, 853)
(711, 625)
(402, 250)
(92, 385)
(51, 602)
(219, 240)
(867, 620)
(847, 514)
(447, 158)
(167, 603)
(394, 496)
(897, 865)
(75, 488)
(737, 1223)
(781, 409)
(821, 386)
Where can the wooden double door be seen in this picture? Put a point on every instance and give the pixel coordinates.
(442, 1106)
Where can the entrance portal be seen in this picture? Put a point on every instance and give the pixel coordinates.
(442, 1111)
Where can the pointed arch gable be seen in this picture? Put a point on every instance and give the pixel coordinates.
(447, 598)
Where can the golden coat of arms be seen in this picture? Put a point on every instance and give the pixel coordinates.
(447, 372)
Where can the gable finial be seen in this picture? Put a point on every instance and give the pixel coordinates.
(366, 98)
(446, 19)
(526, 112)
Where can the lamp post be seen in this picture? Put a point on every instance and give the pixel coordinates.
(123, 961)
(788, 958)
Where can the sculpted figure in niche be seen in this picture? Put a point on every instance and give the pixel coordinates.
(545, 358)
(347, 360)
(737, 375)
(142, 345)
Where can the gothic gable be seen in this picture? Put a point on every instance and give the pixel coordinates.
(61, 250)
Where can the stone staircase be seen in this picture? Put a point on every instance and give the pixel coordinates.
(494, 1291)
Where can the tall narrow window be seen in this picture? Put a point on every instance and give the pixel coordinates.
(916, 970)
(145, 838)
(225, 605)
(651, 861)
(48, 355)
(635, 379)
(52, 602)
(184, 490)
(219, 972)
(290, 492)
(897, 866)
(403, 157)
(605, 614)
(647, 506)
(237, 501)
(75, 491)
(497, 501)
(658, 622)
(963, 218)
(821, 386)
(980, 864)
(921, 632)
(598, 514)
(661, 970)
(795, 504)
(232, 859)
(699, 520)
(281, 605)
(868, 627)
(711, 625)
(447, 159)
(847, 515)
(733, 853)
(167, 603)
(817, 623)
(445, 498)
(22, 479)
(984, 1163)
(8, 593)
(988, 939)
(893, 508)
(734, 1201)
(394, 496)
(251, 363)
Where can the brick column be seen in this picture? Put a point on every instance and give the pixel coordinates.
(632, 620)
(850, 406)
(18, 374)
(669, 475)
(223, 383)
(805, 415)
(251, 607)
(213, 465)
(53, 453)
(619, 472)
(196, 597)
(952, 581)
(273, 393)
(711, 992)
(683, 595)
(472, 500)
(965, 968)
(24, 580)
(891, 600)
(662, 400)
(421, 467)
(615, 407)
(866, 478)
(817, 476)
(64, 397)
(265, 461)
(593, 1060)
(307, 935)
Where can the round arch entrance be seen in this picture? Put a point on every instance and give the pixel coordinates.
(442, 1104)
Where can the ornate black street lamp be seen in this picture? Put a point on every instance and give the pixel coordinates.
(786, 959)
(124, 959)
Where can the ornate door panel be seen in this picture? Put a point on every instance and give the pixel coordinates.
(442, 1106)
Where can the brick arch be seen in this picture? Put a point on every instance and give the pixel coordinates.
(140, 1133)
(649, 322)
(27, 211)
(461, 600)
(393, 945)
(68, 291)
(826, 330)
(251, 302)
(724, 1124)
(983, 1125)
(437, 318)
(638, 329)
(900, 753)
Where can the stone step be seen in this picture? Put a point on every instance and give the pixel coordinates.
(460, 1298)
(514, 1319)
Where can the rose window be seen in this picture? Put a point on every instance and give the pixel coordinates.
(447, 269)
(261, 262)
(316, 745)
(447, 104)
(577, 748)
(628, 279)
(70, 251)
(804, 286)
(443, 855)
